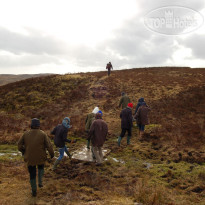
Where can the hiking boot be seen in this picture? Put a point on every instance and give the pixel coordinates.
(56, 164)
(128, 140)
(34, 193)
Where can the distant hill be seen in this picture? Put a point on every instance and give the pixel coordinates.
(10, 78)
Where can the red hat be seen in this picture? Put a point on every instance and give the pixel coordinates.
(130, 105)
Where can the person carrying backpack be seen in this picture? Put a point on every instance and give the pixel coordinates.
(109, 67)
(33, 145)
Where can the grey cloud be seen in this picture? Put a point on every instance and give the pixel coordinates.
(196, 43)
(34, 43)
(7, 61)
(148, 5)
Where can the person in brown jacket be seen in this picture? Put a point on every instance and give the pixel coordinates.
(98, 133)
(33, 145)
(88, 122)
(142, 118)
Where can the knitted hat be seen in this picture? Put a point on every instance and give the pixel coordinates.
(35, 123)
(100, 112)
(130, 105)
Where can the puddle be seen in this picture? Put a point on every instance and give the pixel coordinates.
(85, 154)
(10, 155)
(148, 165)
(118, 160)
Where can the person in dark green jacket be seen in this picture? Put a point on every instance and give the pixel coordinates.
(33, 145)
(124, 100)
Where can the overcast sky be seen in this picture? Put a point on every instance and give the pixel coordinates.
(66, 36)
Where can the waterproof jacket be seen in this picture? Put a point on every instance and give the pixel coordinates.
(126, 118)
(140, 101)
(88, 122)
(142, 115)
(33, 145)
(124, 101)
(60, 137)
(98, 132)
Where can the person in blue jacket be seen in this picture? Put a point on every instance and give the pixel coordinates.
(140, 101)
(61, 132)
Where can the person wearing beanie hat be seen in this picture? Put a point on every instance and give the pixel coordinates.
(35, 123)
(126, 123)
(88, 122)
(60, 133)
(124, 100)
(33, 145)
(100, 112)
(142, 118)
(130, 105)
(97, 134)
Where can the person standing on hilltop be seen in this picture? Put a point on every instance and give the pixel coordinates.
(142, 118)
(124, 100)
(88, 122)
(140, 101)
(61, 132)
(126, 123)
(109, 67)
(98, 133)
(33, 145)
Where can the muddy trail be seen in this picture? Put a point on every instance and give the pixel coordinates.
(166, 167)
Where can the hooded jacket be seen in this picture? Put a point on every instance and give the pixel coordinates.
(61, 132)
(142, 115)
(140, 101)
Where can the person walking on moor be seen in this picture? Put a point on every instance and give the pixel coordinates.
(33, 145)
(88, 122)
(140, 101)
(98, 133)
(124, 100)
(142, 118)
(126, 123)
(61, 132)
(109, 67)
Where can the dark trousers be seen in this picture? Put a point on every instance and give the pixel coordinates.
(108, 72)
(124, 130)
(32, 171)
